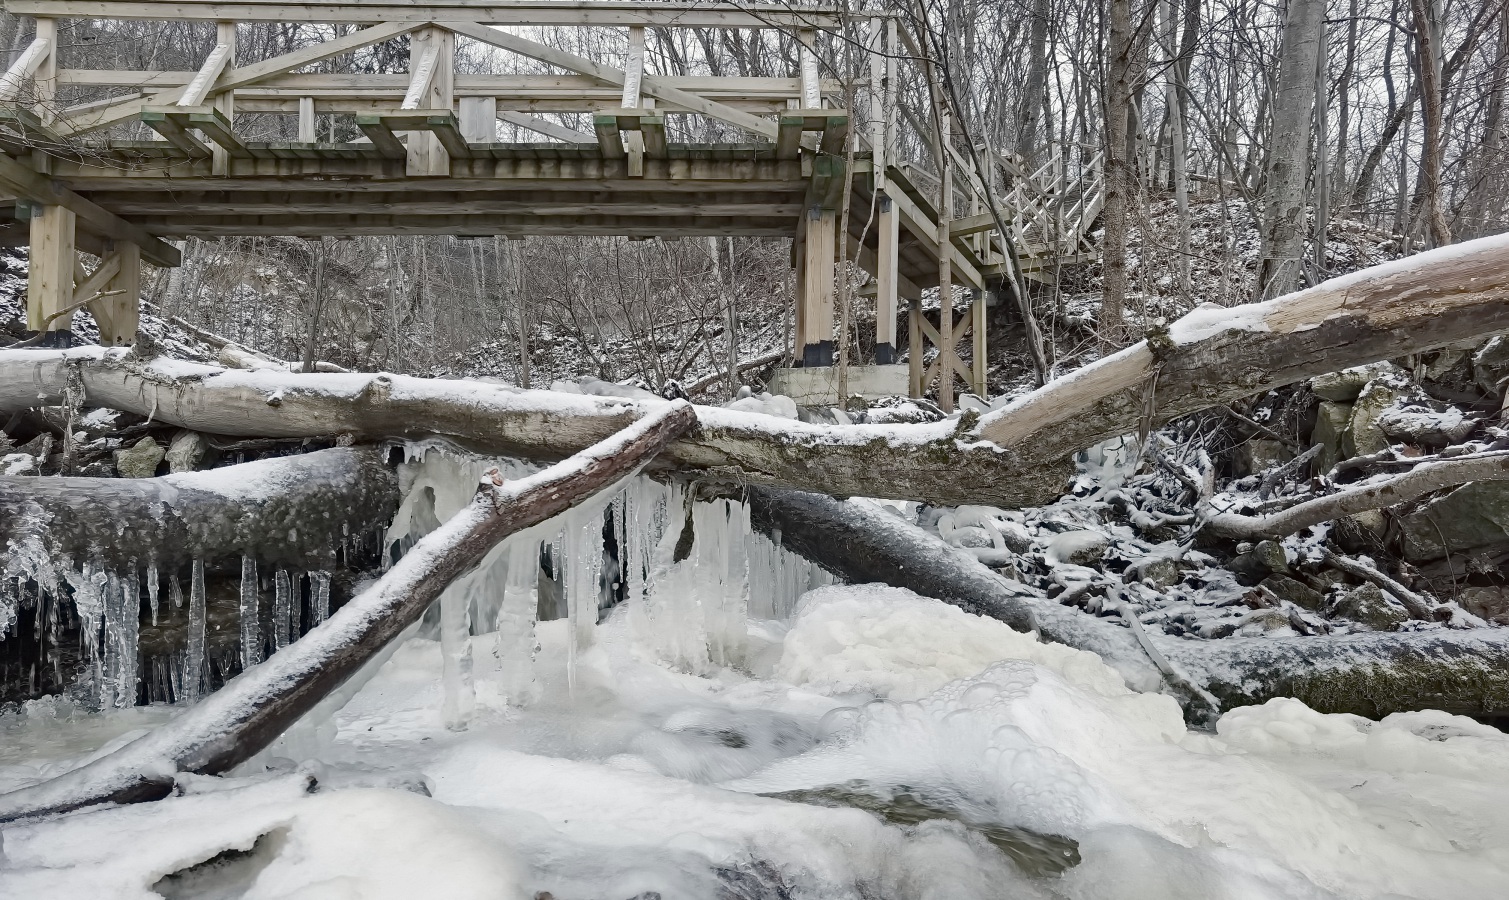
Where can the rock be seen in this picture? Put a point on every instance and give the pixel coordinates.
(1434, 425)
(1248, 569)
(1331, 421)
(140, 460)
(1265, 620)
(1258, 455)
(1296, 592)
(1490, 365)
(1491, 603)
(1346, 385)
(97, 469)
(1363, 435)
(1161, 572)
(1271, 555)
(1078, 548)
(1472, 516)
(1367, 605)
(186, 450)
(1361, 533)
(1015, 536)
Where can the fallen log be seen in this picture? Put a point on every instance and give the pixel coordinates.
(1371, 674)
(1018, 455)
(293, 511)
(250, 712)
(1419, 481)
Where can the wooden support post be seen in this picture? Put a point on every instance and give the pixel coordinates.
(816, 338)
(224, 104)
(117, 313)
(812, 93)
(634, 141)
(916, 349)
(45, 76)
(49, 289)
(878, 113)
(306, 120)
(977, 312)
(432, 47)
(479, 120)
(947, 361)
(886, 287)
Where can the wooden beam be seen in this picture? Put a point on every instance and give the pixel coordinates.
(216, 127)
(306, 120)
(94, 282)
(546, 127)
(95, 119)
(816, 339)
(198, 90)
(886, 279)
(491, 12)
(382, 137)
(605, 125)
(479, 120)
(422, 76)
(654, 86)
(633, 68)
(118, 315)
(23, 68)
(40, 189)
(174, 132)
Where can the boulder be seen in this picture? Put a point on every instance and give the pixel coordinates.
(140, 460)
(186, 451)
(1490, 365)
(1160, 573)
(1296, 592)
(1331, 421)
(1271, 555)
(1381, 395)
(1491, 603)
(18, 464)
(1367, 605)
(1434, 425)
(1346, 385)
(1258, 455)
(1470, 517)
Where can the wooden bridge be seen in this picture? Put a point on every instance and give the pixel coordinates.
(114, 164)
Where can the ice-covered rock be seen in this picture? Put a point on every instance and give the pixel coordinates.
(1364, 435)
(1078, 548)
(1331, 420)
(1346, 385)
(1472, 516)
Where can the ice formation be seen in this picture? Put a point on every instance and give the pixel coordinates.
(645, 696)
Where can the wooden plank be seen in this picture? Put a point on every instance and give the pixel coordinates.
(117, 316)
(888, 232)
(307, 121)
(816, 339)
(382, 137)
(27, 183)
(652, 128)
(633, 68)
(788, 141)
(479, 119)
(835, 134)
(422, 76)
(93, 282)
(491, 12)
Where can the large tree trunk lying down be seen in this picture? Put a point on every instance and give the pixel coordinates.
(246, 715)
(1018, 455)
(1371, 674)
(292, 511)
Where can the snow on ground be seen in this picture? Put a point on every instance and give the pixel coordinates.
(962, 736)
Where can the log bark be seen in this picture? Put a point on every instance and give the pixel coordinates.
(254, 708)
(293, 512)
(1371, 674)
(1018, 455)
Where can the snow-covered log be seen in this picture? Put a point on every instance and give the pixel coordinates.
(1462, 671)
(1018, 455)
(250, 712)
(1419, 481)
(291, 511)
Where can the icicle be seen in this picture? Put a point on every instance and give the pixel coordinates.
(193, 668)
(319, 595)
(251, 625)
(582, 557)
(456, 658)
(152, 589)
(130, 638)
(516, 645)
(282, 609)
(175, 592)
